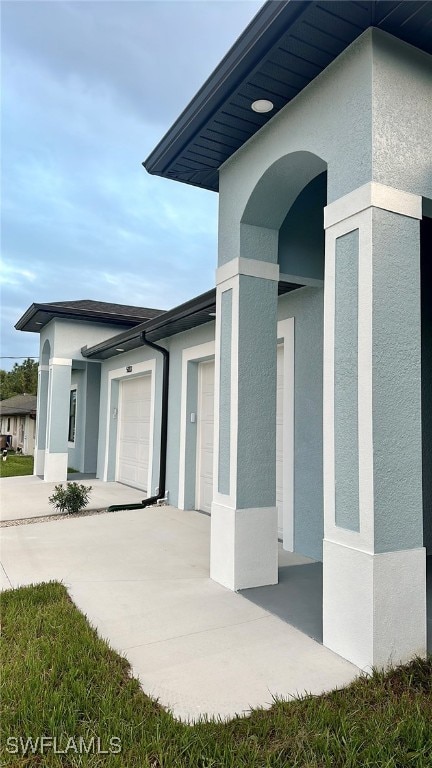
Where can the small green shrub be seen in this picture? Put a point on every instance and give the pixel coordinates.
(70, 498)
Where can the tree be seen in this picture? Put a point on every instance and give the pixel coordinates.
(21, 380)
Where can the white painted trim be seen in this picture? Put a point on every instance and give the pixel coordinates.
(55, 469)
(374, 605)
(60, 361)
(375, 195)
(119, 374)
(285, 331)
(311, 282)
(39, 461)
(227, 500)
(43, 368)
(198, 458)
(189, 354)
(249, 267)
(243, 546)
(363, 539)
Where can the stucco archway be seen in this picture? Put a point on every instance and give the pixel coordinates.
(248, 306)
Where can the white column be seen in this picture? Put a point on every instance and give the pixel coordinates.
(374, 609)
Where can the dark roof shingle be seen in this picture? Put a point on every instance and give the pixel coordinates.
(18, 405)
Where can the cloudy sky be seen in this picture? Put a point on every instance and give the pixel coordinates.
(89, 87)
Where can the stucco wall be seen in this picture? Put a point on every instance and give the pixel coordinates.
(83, 453)
(75, 449)
(306, 306)
(70, 335)
(176, 345)
(401, 110)
(331, 119)
(370, 107)
(301, 236)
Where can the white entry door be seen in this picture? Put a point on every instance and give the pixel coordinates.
(134, 432)
(279, 437)
(205, 426)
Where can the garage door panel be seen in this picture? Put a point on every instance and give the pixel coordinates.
(134, 432)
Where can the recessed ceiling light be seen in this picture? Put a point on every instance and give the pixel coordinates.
(262, 106)
(212, 314)
(119, 349)
(37, 323)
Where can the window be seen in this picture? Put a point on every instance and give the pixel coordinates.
(14, 425)
(21, 431)
(8, 425)
(72, 415)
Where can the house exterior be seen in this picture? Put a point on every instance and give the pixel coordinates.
(300, 389)
(18, 422)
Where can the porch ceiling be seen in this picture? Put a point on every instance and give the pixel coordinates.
(285, 46)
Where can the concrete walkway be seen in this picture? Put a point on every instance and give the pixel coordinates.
(142, 578)
(27, 496)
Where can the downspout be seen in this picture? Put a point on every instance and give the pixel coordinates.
(164, 433)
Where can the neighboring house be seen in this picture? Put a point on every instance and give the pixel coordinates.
(321, 316)
(18, 422)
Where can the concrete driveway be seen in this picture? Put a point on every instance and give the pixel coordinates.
(142, 578)
(28, 496)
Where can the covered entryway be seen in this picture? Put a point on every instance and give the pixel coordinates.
(134, 432)
(204, 472)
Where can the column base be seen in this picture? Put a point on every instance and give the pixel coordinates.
(56, 465)
(39, 462)
(244, 547)
(374, 605)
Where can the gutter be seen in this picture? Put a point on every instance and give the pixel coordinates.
(161, 494)
(160, 326)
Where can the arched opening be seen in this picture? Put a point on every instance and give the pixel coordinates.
(283, 223)
(46, 353)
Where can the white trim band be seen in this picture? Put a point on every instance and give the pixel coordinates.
(60, 361)
(375, 195)
(249, 267)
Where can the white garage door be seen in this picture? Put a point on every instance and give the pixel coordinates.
(134, 432)
(205, 424)
(279, 438)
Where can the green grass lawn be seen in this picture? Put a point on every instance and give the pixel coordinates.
(61, 680)
(16, 464)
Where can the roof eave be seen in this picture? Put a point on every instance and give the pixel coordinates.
(242, 55)
(71, 313)
(189, 308)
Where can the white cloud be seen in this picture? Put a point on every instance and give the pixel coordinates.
(10, 275)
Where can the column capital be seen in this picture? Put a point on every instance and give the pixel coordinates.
(249, 267)
(375, 195)
(60, 361)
